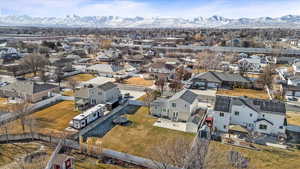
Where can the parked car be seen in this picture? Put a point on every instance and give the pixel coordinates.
(292, 99)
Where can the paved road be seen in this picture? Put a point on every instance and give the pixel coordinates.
(220, 49)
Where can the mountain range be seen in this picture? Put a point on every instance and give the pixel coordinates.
(288, 21)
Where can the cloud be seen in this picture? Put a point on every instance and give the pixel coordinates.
(132, 8)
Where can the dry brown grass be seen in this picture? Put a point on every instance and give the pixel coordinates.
(141, 136)
(259, 94)
(82, 77)
(266, 158)
(56, 117)
(52, 120)
(91, 163)
(4, 104)
(139, 81)
(9, 152)
(293, 118)
(68, 93)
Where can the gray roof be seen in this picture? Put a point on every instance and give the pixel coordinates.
(83, 92)
(29, 87)
(224, 103)
(219, 77)
(185, 95)
(107, 86)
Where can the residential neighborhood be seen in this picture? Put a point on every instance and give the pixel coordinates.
(119, 92)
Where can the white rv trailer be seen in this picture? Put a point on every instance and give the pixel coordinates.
(82, 120)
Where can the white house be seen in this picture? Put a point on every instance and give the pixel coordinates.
(106, 70)
(262, 116)
(92, 94)
(296, 68)
(252, 64)
(180, 107)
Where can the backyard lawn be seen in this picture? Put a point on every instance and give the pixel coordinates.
(82, 77)
(293, 118)
(266, 158)
(68, 93)
(259, 94)
(3, 104)
(51, 120)
(56, 117)
(139, 81)
(141, 136)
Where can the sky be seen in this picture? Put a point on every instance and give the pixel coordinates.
(151, 8)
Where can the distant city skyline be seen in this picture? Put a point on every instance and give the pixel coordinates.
(152, 8)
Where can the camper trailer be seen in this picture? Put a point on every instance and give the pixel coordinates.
(82, 120)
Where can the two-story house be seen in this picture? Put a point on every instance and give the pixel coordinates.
(179, 107)
(93, 94)
(28, 90)
(262, 116)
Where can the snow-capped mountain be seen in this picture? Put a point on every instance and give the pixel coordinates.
(289, 21)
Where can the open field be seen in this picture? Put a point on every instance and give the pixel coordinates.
(9, 152)
(82, 77)
(259, 94)
(51, 120)
(56, 117)
(3, 104)
(139, 81)
(141, 136)
(68, 93)
(267, 158)
(293, 118)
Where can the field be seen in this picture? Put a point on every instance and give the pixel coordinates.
(259, 94)
(84, 162)
(3, 104)
(266, 158)
(138, 138)
(68, 93)
(139, 81)
(293, 118)
(9, 152)
(82, 77)
(51, 120)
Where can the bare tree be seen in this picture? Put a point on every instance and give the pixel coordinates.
(170, 152)
(34, 62)
(72, 83)
(21, 110)
(266, 76)
(149, 97)
(43, 76)
(175, 85)
(59, 75)
(161, 82)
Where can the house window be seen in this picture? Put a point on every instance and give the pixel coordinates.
(221, 114)
(263, 127)
(155, 107)
(236, 113)
(173, 104)
(250, 114)
(280, 127)
(225, 126)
